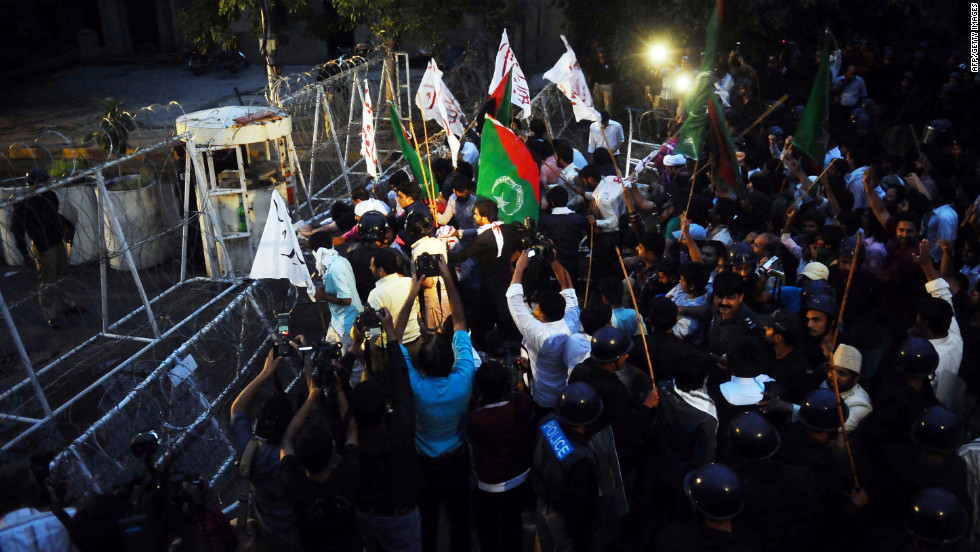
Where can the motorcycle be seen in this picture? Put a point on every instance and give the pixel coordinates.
(233, 60)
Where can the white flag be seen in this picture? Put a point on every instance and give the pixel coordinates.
(369, 148)
(279, 255)
(520, 92)
(437, 102)
(567, 74)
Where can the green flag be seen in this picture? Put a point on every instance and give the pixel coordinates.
(811, 135)
(728, 177)
(508, 174)
(691, 136)
(409, 153)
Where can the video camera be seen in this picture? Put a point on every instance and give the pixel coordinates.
(772, 267)
(534, 241)
(427, 266)
(325, 371)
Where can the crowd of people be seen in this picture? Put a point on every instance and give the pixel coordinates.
(658, 364)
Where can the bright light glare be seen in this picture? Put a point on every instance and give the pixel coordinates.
(658, 53)
(683, 82)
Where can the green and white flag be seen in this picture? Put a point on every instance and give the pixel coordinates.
(508, 174)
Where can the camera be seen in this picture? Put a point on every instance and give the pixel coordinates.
(324, 370)
(283, 348)
(368, 319)
(427, 266)
(538, 245)
(772, 267)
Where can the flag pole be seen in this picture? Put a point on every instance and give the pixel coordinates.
(415, 143)
(629, 201)
(690, 196)
(639, 319)
(428, 161)
(764, 115)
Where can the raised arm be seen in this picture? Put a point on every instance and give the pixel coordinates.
(245, 398)
(406, 311)
(298, 420)
(692, 247)
(875, 202)
(455, 302)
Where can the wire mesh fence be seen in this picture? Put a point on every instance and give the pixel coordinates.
(159, 342)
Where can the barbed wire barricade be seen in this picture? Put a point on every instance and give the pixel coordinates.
(166, 337)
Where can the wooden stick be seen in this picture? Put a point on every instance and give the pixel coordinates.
(847, 289)
(690, 196)
(847, 443)
(639, 319)
(428, 160)
(588, 276)
(764, 115)
(812, 184)
(966, 219)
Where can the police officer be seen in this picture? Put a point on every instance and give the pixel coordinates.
(627, 393)
(732, 317)
(781, 500)
(38, 218)
(564, 474)
(936, 519)
(902, 394)
(821, 313)
(717, 497)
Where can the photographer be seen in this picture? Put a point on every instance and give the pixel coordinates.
(259, 455)
(442, 385)
(387, 502)
(323, 497)
(22, 526)
(425, 250)
(545, 331)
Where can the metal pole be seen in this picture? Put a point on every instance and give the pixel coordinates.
(350, 119)
(316, 134)
(103, 264)
(203, 200)
(291, 147)
(114, 224)
(187, 200)
(336, 140)
(24, 358)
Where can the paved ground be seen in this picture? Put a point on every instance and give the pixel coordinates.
(65, 101)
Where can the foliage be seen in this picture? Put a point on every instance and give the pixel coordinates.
(114, 127)
(206, 26)
(208, 23)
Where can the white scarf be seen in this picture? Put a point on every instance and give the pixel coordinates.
(324, 258)
(497, 235)
(561, 211)
(699, 399)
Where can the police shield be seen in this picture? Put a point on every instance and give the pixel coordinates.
(612, 494)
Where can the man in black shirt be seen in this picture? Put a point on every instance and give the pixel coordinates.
(38, 217)
(565, 229)
(790, 368)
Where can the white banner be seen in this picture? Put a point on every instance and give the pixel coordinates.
(369, 148)
(279, 255)
(436, 101)
(567, 74)
(520, 93)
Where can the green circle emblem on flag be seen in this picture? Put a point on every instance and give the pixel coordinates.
(508, 194)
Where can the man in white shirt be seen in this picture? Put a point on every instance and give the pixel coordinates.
(941, 223)
(846, 367)
(461, 205)
(605, 195)
(390, 292)
(22, 528)
(613, 131)
(545, 331)
(579, 347)
(934, 318)
(850, 88)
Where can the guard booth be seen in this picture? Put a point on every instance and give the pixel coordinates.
(238, 156)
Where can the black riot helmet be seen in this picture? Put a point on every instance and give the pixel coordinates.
(937, 429)
(37, 176)
(373, 226)
(716, 491)
(819, 411)
(740, 254)
(579, 404)
(916, 357)
(846, 249)
(825, 304)
(609, 344)
(753, 436)
(816, 287)
(936, 516)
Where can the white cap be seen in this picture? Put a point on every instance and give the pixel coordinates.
(371, 205)
(675, 160)
(816, 271)
(847, 357)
